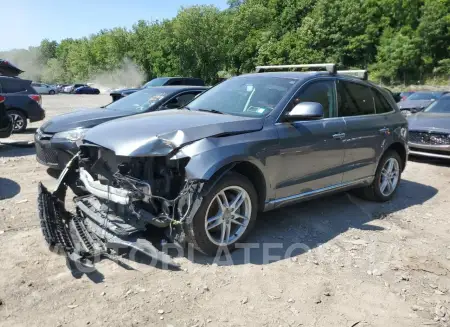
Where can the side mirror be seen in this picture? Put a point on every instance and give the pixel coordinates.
(305, 111)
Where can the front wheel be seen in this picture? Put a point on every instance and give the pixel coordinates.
(52, 92)
(387, 178)
(226, 215)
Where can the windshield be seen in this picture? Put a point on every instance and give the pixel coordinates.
(425, 96)
(156, 82)
(441, 106)
(244, 96)
(139, 101)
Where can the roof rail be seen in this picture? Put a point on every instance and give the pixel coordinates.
(361, 73)
(331, 68)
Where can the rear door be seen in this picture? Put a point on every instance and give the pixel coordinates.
(311, 152)
(366, 131)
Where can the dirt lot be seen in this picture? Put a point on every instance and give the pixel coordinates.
(360, 263)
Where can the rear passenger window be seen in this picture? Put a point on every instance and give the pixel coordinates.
(13, 86)
(354, 99)
(321, 92)
(381, 104)
(175, 82)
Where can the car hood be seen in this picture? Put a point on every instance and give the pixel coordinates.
(161, 132)
(424, 121)
(412, 104)
(85, 118)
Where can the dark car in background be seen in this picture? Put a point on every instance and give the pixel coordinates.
(56, 140)
(159, 81)
(21, 101)
(418, 101)
(429, 130)
(86, 90)
(6, 125)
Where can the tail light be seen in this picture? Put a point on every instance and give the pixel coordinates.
(2, 98)
(403, 98)
(36, 97)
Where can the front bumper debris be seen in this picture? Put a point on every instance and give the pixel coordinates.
(85, 237)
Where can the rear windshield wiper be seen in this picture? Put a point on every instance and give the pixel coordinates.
(214, 111)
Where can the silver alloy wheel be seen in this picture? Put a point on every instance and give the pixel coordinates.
(228, 215)
(17, 121)
(389, 178)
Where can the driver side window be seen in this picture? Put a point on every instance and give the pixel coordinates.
(322, 92)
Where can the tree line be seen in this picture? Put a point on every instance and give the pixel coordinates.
(399, 41)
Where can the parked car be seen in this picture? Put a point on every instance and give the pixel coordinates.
(6, 125)
(159, 81)
(252, 143)
(418, 101)
(86, 90)
(42, 88)
(405, 95)
(72, 87)
(429, 130)
(56, 140)
(21, 101)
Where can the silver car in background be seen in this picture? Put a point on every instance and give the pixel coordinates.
(42, 88)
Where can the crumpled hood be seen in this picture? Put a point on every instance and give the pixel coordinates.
(86, 118)
(159, 133)
(424, 121)
(412, 104)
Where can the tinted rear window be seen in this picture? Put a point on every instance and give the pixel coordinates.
(381, 104)
(354, 99)
(14, 85)
(194, 82)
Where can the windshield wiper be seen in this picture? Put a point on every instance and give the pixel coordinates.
(214, 111)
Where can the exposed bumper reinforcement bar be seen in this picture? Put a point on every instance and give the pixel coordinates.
(82, 239)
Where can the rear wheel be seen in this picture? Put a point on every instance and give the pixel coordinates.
(387, 179)
(19, 120)
(226, 215)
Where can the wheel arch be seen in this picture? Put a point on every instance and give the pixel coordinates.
(247, 169)
(18, 109)
(401, 150)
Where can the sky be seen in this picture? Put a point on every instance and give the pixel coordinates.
(25, 23)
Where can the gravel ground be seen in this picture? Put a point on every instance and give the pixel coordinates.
(360, 263)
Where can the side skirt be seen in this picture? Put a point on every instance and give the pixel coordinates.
(277, 203)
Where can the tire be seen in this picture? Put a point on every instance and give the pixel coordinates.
(19, 121)
(196, 227)
(51, 92)
(374, 192)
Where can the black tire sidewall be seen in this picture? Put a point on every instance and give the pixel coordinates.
(25, 122)
(376, 187)
(196, 226)
(51, 92)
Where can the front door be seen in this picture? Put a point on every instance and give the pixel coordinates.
(311, 152)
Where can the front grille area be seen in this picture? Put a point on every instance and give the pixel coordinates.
(46, 155)
(429, 138)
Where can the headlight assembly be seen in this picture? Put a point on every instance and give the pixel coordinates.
(72, 135)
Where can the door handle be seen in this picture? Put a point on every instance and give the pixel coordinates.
(385, 130)
(339, 136)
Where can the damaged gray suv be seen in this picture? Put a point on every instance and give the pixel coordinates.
(253, 143)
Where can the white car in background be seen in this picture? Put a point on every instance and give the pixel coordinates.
(42, 88)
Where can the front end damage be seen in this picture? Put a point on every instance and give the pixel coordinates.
(118, 200)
